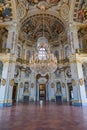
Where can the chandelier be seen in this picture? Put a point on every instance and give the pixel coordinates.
(43, 61)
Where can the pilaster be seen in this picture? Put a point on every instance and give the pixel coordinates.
(12, 38)
(79, 93)
(64, 86)
(7, 82)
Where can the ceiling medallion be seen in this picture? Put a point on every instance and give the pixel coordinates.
(21, 10)
(43, 6)
(65, 11)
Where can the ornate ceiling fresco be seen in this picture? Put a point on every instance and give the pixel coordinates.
(51, 2)
(30, 15)
(60, 6)
(34, 27)
(5, 11)
(80, 11)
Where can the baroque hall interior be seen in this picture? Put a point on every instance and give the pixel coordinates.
(43, 52)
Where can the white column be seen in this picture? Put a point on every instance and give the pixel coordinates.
(79, 95)
(12, 38)
(8, 75)
(73, 38)
(21, 88)
(64, 86)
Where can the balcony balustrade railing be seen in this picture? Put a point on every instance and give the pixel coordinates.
(4, 50)
(81, 51)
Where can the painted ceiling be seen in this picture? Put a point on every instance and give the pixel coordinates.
(28, 15)
(38, 25)
(51, 2)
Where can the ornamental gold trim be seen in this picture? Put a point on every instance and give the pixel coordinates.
(73, 82)
(3, 82)
(12, 82)
(63, 85)
(21, 85)
(81, 81)
(52, 85)
(32, 85)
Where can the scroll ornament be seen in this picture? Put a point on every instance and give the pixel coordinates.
(52, 85)
(21, 85)
(12, 82)
(3, 82)
(73, 82)
(63, 85)
(81, 81)
(32, 85)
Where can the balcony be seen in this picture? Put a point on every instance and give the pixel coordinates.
(81, 51)
(22, 61)
(63, 61)
(4, 50)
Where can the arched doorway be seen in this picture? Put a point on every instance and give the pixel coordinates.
(42, 92)
(42, 87)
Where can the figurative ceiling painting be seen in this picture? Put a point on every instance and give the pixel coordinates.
(5, 10)
(51, 2)
(80, 11)
(33, 27)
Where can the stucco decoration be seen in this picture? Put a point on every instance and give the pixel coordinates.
(32, 85)
(52, 85)
(50, 2)
(81, 81)
(57, 73)
(63, 85)
(42, 80)
(65, 11)
(68, 72)
(5, 10)
(12, 82)
(3, 82)
(21, 10)
(73, 82)
(21, 85)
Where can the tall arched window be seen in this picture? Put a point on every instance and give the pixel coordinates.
(1, 69)
(19, 51)
(28, 55)
(56, 53)
(84, 66)
(66, 52)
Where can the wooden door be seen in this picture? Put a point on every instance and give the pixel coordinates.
(42, 92)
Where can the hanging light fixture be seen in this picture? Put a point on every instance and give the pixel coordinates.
(43, 61)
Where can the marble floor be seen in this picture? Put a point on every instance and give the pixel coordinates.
(49, 116)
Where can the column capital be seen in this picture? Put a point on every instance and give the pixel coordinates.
(73, 27)
(11, 28)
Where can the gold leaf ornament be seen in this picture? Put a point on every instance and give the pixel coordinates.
(63, 85)
(21, 85)
(81, 81)
(12, 82)
(73, 82)
(32, 85)
(52, 85)
(3, 82)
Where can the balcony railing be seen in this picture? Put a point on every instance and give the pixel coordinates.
(63, 61)
(22, 61)
(4, 50)
(80, 51)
